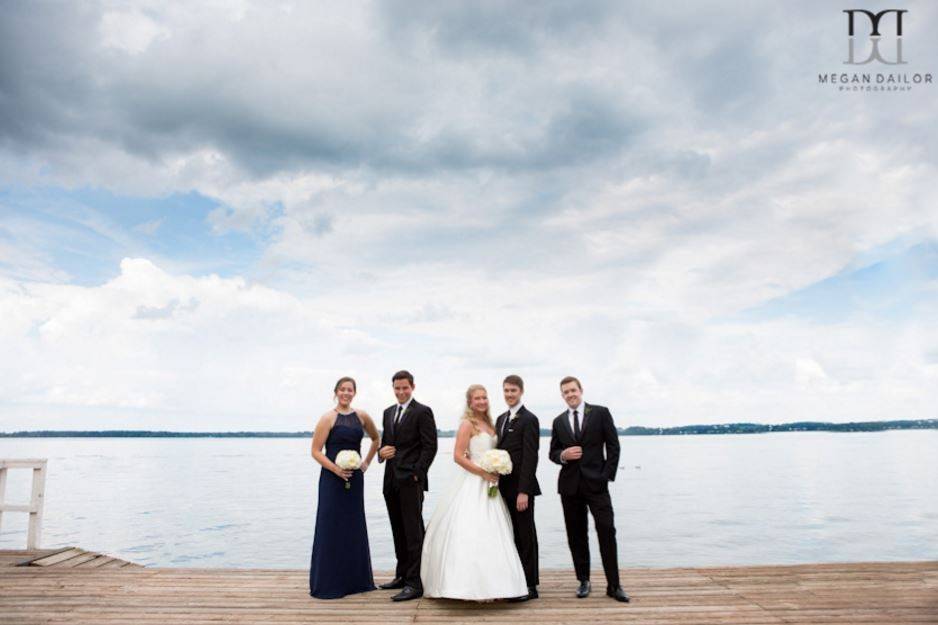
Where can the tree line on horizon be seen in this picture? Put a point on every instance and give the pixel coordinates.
(723, 428)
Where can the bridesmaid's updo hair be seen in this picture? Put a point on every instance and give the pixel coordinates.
(469, 415)
(342, 381)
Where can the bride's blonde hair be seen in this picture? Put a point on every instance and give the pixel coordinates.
(469, 414)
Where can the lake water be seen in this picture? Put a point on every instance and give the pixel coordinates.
(679, 500)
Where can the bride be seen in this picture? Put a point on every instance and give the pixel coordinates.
(469, 550)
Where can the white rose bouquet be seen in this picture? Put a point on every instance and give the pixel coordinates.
(496, 461)
(348, 460)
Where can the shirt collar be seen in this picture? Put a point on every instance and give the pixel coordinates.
(581, 410)
(513, 412)
(406, 406)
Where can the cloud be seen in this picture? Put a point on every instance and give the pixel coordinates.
(660, 198)
(149, 227)
(286, 108)
(129, 31)
(165, 312)
(150, 349)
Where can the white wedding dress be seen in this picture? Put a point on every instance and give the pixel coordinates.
(469, 549)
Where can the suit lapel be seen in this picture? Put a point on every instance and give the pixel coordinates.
(505, 421)
(565, 424)
(397, 428)
(587, 410)
(408, 412)
(389, 426)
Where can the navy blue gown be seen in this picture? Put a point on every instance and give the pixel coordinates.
(341, 562)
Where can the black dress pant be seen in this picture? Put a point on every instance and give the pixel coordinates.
(574, 515)
(525, 536)
(405, 510)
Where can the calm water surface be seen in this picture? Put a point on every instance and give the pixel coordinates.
(679, 501)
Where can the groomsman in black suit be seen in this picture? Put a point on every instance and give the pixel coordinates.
(578, 439)
(519, 434)
(408, 445)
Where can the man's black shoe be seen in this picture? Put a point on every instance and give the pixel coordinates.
(394, 584)
(407, 594)
(532, 594)
(584, 590)
(618, 594)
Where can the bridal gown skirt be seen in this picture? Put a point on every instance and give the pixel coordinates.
(469, 550)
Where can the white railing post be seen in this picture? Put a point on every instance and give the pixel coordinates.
(35, 505)
(34, 534)
(3, 489)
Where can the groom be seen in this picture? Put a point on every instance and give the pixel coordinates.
(408, 445)
(578, 438)
(519, 434)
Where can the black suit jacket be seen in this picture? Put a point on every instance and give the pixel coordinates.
(521, 442)
(600, 443)
(415, 442)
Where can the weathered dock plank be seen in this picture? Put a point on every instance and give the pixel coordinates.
(68, 557)
(89, 592)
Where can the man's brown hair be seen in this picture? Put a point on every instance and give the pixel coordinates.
(514, 380)
(403, 375)
(569, 379)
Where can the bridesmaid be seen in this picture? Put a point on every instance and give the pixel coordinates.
(341, 561)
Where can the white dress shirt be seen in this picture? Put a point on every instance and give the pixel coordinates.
(579, 414)
(402, 408)
(512, 413)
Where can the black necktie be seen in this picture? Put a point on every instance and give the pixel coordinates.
(576, 425)
(397, 419)
(505, 427)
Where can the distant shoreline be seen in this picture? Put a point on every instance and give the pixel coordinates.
(683, 430)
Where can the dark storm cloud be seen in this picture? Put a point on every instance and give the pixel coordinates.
(60, 84)
(45, 90)
(491, 28)
(558, 100)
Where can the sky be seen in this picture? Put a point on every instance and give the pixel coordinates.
(209, 213)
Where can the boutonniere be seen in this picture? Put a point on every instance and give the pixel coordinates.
(586, 410)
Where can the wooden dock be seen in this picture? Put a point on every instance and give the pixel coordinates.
(79, 587)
